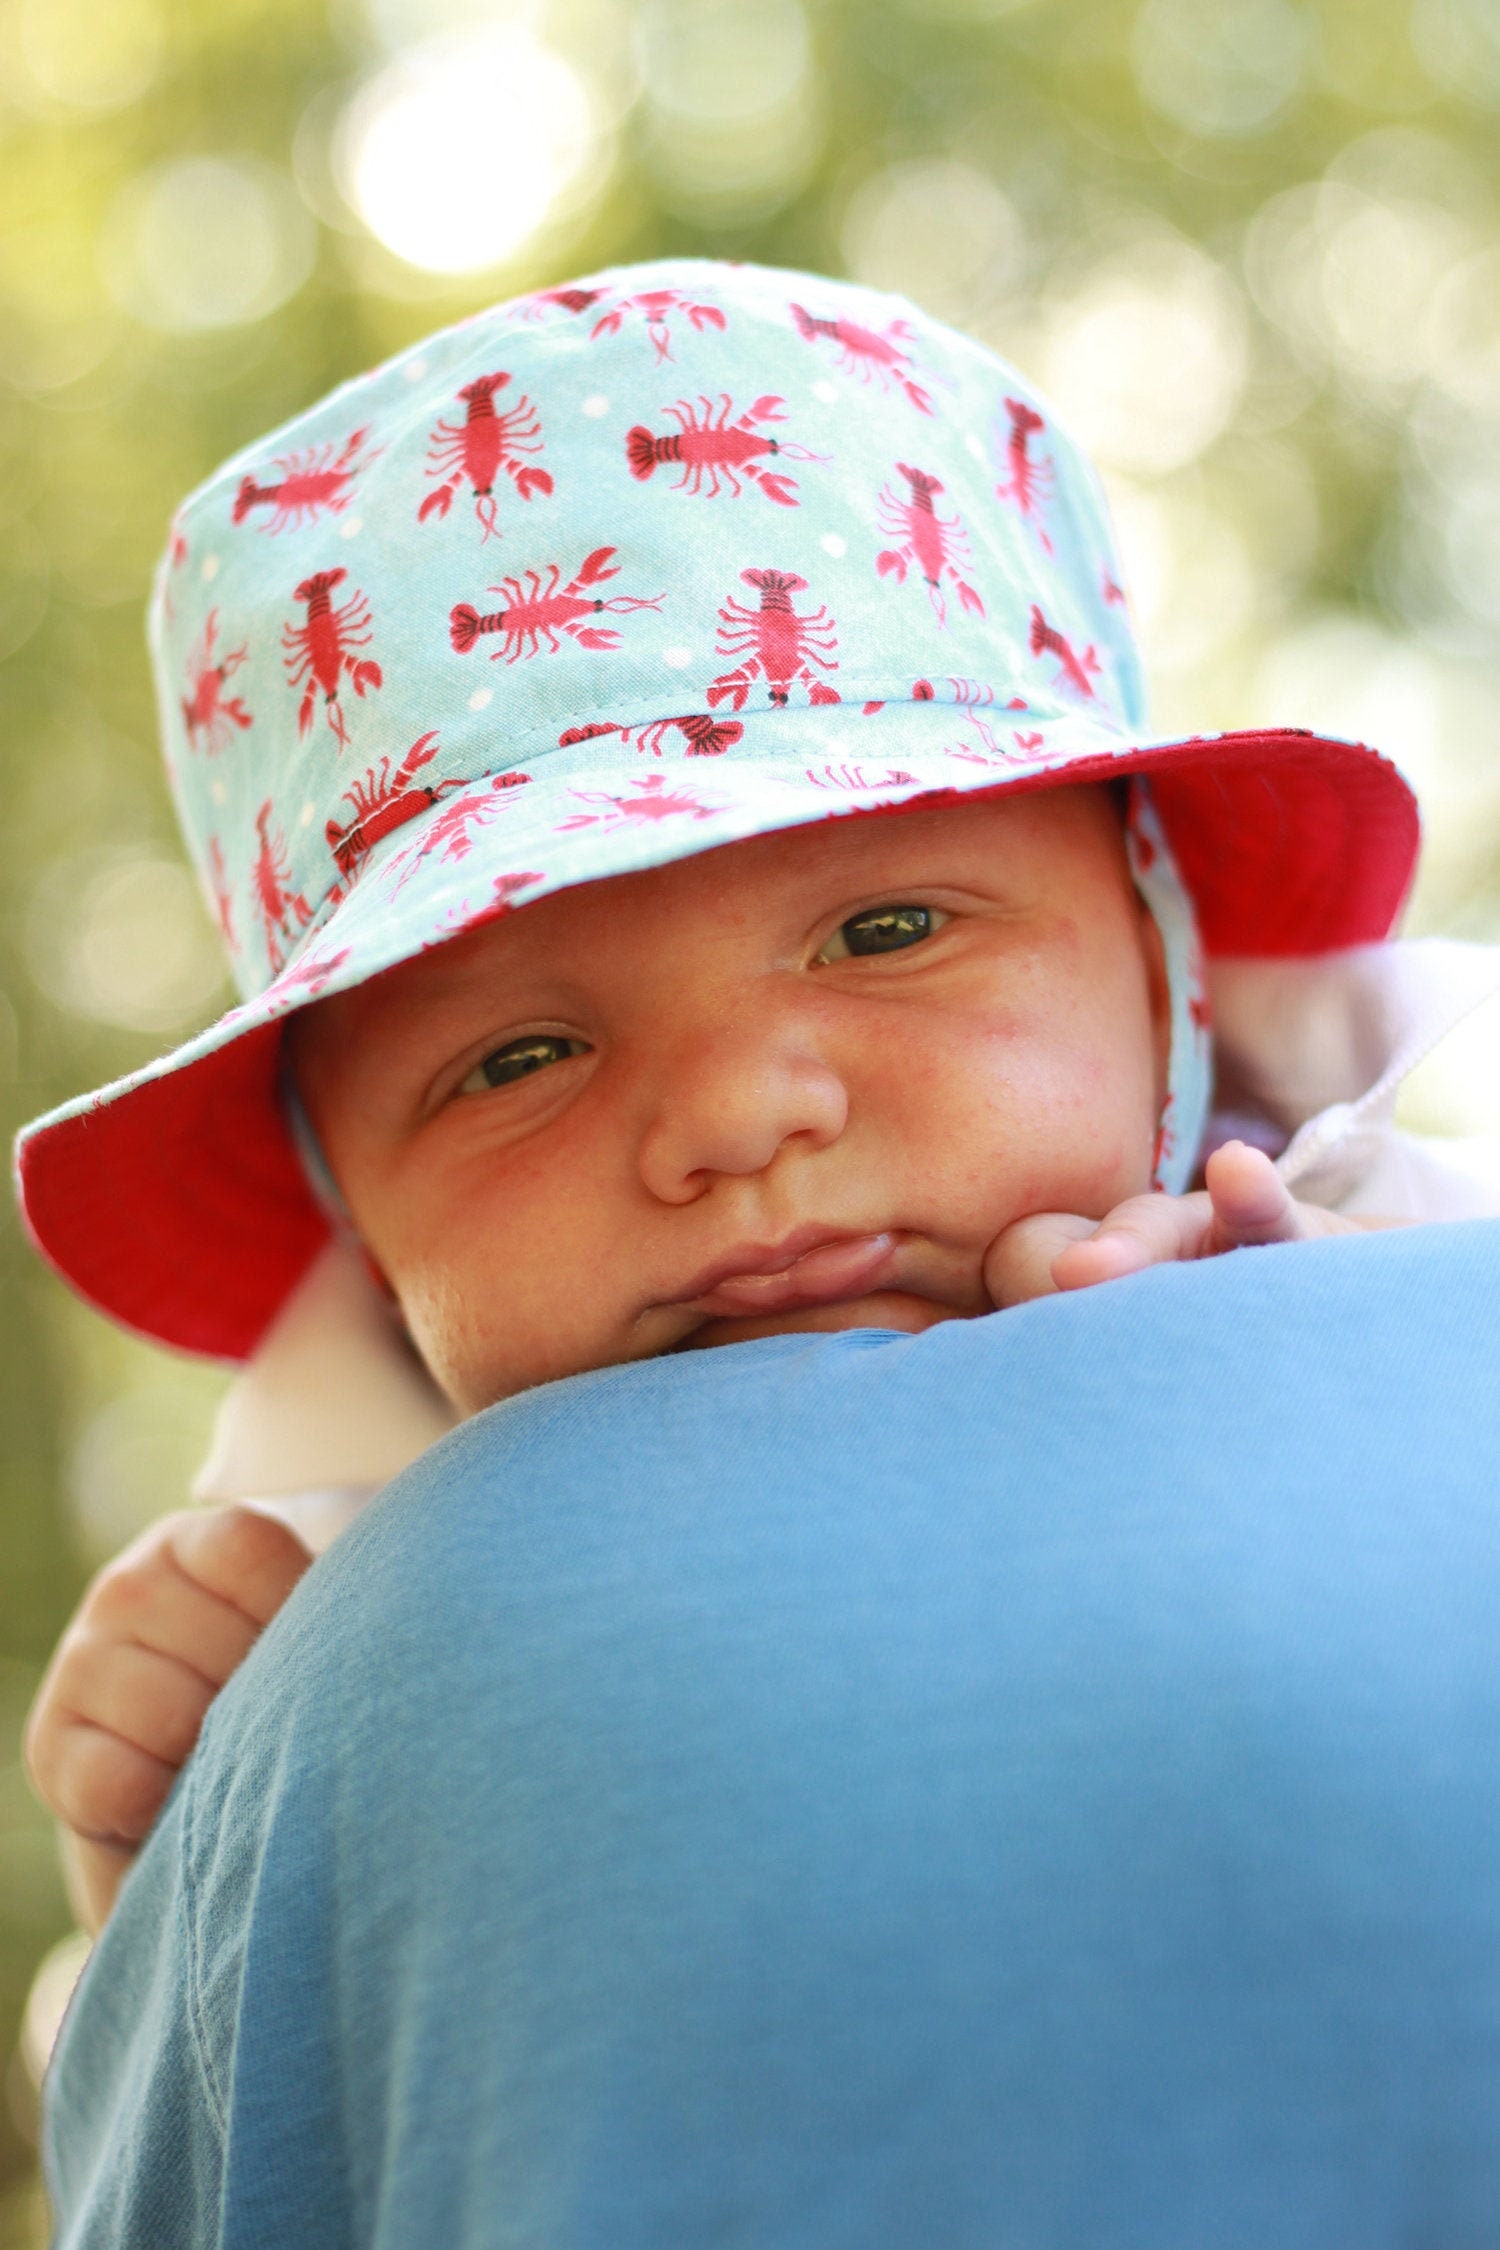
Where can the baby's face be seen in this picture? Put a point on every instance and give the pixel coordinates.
(797, 1083)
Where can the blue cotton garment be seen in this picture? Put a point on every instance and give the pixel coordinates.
(1030, 1786)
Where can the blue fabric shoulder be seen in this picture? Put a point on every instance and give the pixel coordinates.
(1032, 1782)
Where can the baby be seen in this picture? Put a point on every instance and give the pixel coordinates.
(601, 1054)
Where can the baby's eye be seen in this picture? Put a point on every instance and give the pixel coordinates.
(882, 929)
(518, 1058)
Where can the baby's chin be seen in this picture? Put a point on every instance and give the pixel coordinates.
(884, 1308)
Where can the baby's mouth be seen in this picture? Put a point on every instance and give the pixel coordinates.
(821, 1274)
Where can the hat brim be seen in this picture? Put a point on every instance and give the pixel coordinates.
(176, 1202)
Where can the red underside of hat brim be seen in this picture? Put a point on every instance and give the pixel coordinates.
(182, 1210)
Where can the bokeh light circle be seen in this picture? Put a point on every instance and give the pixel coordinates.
(935, 229)
(722, 63)
(1147, 358)
(206, 242)
(88, 57)
(1220, 67)
(732, 114)
(459, 149)
(125, 943)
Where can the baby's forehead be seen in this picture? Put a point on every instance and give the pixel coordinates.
(1005, 831)
(1070, 839)
(1062, 844)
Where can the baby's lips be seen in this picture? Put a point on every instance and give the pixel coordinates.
(823, 1275)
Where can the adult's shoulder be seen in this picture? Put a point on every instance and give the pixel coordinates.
(562, 1525)
(1043, 1766)
(543, 1494)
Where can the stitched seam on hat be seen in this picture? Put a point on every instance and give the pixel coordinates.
(317, 927)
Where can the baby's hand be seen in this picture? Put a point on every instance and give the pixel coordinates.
(155, 1637)
(1244, 1202)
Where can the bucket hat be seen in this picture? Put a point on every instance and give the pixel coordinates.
(607, 575)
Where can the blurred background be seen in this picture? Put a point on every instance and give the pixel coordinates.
(1250, 247)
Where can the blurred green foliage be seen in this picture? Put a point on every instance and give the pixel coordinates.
(1252, 245)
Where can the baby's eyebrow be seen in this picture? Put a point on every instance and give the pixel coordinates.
(500, 985)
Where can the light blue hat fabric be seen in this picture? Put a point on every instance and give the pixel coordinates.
(602, 577)
(579, 513)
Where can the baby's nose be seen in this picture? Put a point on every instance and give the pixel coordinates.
(732, 1097)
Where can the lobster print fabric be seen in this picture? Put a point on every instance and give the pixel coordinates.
(736, 516)
(603, 525)
(632, 568)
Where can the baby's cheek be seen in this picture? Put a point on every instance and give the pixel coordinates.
(1051, 1123)
(445, 1337)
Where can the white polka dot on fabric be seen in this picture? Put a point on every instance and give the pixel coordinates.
(678, 658)
(415, 369)
(210, 567)
(351, 527)
(480, 698)
(307, 816)
(827, 392)
(595, 406)
(219, 793)
(975, 445)
(834, 543)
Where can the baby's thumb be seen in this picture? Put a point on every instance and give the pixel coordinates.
(1251, 1204)
(1018, 1263)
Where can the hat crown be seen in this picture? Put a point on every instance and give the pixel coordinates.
(606, 525)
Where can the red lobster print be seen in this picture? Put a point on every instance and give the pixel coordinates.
(320, 652)
(706, 737)
(776, 643)
(310, 976)
(655, 802)
(570, 300)
(282, 910)
(449, 835)
(867, 354)
(306, 484)
(477, 449)
(717, 448)
(921, 692)
(218, 881)
(855, 777)
(505, 887)
(654, 305)
(382, 800)
(209, 715)
(1075, 668)
(974, 698)
(991, 751)
(177, 554)
(538, 611)
(463, 914)
(936, 544)
(1029, 480)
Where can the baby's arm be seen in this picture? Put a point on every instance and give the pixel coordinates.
(1243, 1203)
(156, 1636)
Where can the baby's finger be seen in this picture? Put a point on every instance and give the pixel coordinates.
(105, 1789)
(1250, 1202)
(153, 1702)
(1018, 1263)
(155, 1604)
(248, 1560)
(1148, 1230)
